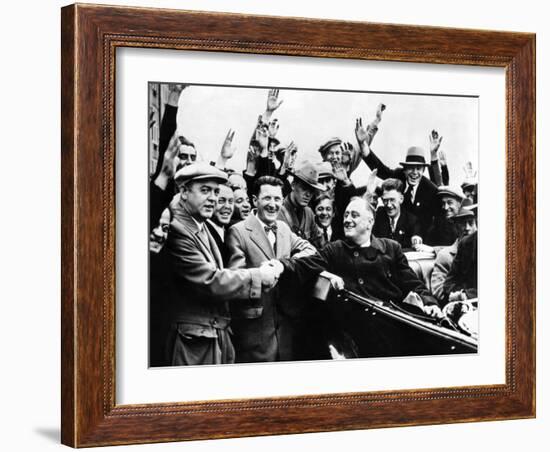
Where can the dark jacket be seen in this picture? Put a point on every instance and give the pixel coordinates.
(441, 233)
(220, 242)
(426, 204)
(463, 273)
(407, 226)
(379, 272)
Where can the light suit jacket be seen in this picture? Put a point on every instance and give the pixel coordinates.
(257, 336)
(201, 284)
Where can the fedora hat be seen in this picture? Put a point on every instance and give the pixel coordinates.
(448, 191)
(465, 211)
(415, 157)
(307, 172)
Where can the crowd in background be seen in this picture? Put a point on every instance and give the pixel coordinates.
(233, 254)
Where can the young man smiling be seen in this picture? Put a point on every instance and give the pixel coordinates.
(392, 221)
(218, 224)
(420, 194)
(265, 329)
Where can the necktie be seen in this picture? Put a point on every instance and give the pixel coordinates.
(409, 194)
(392, 225)
(325, 234)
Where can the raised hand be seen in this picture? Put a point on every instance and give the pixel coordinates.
(347, 153)
(262, 137)
(273, 101)
(340, 173)
(361, 132)
(228, 150)
(251, 157)
(435, 142)
(273, 128)
(174, 94)
(379, 110)
(469, 171)
(168, 167)
(289, 158)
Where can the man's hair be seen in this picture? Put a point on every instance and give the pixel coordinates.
(266, 180)
(366, 202)
(318, 199)
(392, 184)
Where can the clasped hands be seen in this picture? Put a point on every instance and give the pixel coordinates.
(270, 272)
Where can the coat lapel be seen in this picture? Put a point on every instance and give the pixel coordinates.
(185, 220)
(258, 236)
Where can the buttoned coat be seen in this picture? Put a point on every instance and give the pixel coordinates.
(259, 325)
(378, 272)
(426, 205)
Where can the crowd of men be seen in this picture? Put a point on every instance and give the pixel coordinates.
(234, 255)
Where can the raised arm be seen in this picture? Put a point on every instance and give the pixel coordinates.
(168, 123)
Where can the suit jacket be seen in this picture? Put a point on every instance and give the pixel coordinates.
(201, 285)
(304, 227)
(426, 205)
(256, 323)
(407, 226)
(463, 272)
(443, 232)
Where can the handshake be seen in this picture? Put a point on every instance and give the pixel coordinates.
(270, 272)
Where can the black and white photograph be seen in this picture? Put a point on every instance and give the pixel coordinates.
(292, 224)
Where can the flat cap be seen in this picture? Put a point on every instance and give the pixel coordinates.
(199, 171)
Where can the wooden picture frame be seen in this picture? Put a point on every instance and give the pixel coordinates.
(90, 36)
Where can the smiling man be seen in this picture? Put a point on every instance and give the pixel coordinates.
(369, 266)
(202, 287)
(443, 231)
(242, 205)
(263, 329)
(392, 222)
(218, 224)
(420, 194)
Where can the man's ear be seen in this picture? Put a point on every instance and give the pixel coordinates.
(401, 198)
(255, 201)
(183, 192)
